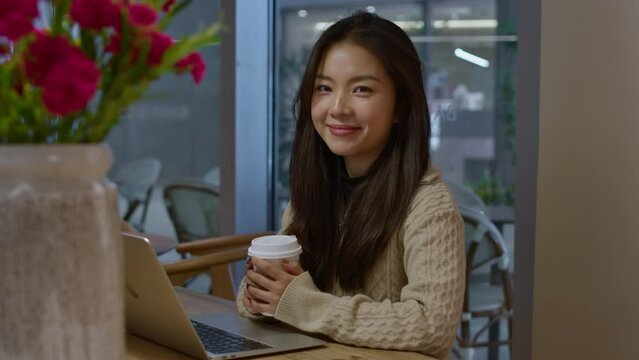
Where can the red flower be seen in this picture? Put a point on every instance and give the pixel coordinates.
(4, 49)
(95, 14)
(167, 5)
(113, 46)
(70, 85)
(43, 54)
(16, 17)
(160, 42)
(68, 78)
(195, 63)
(141, 15)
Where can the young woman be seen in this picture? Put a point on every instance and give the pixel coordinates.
(382, 263)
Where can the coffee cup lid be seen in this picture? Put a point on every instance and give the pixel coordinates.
(274, 247)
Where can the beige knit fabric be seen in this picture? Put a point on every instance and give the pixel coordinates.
(413, 295)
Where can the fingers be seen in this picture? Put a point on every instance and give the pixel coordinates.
(258, 280)
(265, 288)
(249, 305)
(292, 267)
(250, 282)
(268, 269)
(255, 306)
(263, 295)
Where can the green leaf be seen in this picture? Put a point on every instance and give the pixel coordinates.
(188, 45)
(175, 9)
(60, 9)
(87, 43)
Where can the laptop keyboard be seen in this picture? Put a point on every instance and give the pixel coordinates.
(218, 341)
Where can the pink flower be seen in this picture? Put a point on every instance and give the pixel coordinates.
(160, 42)
(95, 14)
(16, 17)
(67, 77)
(167, 5)
(195, 63)
(141, 15)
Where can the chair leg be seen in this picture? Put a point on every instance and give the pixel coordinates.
(145, 207)
(456, 352)
(221, 282)
(510, 336)
(493, 338)
(130, 210)
(467, 353)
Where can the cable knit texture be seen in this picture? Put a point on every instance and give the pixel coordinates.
(413, 295)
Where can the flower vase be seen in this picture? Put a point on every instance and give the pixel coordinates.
(61, 256)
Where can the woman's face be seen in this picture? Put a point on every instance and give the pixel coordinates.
(353, 105)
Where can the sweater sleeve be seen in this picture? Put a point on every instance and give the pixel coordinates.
(425, 318)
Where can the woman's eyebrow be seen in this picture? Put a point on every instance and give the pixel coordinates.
(351, 80)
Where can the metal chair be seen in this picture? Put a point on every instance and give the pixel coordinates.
(193, 207)
(135, 182)
(213, 176)
(465, 196)
(483, 300)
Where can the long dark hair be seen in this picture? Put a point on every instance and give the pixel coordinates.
(377, 207)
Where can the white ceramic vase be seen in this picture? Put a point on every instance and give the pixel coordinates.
(61, 261)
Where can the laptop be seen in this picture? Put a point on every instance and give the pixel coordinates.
(154, 312)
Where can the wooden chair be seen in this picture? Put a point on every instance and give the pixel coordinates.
(482, 299)
(213, 255)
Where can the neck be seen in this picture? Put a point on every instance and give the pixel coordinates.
(356, 167)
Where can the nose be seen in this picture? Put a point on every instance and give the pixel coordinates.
(341, 105)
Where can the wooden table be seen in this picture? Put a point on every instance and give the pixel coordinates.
(196, 304)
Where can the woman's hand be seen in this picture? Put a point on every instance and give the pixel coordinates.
(264, 289)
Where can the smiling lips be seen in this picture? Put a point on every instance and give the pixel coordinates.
(342, 130)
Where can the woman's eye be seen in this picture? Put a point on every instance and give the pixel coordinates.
(362, 89)
(322, 88)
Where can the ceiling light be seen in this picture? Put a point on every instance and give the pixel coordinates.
(465, 24)
(464, 55)
(406, 25)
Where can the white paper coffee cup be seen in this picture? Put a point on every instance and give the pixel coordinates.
(274, 249)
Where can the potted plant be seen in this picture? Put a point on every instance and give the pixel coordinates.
(64, 84)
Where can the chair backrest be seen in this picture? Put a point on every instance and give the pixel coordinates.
(465, 196)
(213, 176)
(484, 247)
(136, 177)
(484, 242)
(193, 206)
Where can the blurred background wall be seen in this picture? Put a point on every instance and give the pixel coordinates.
(584, 293)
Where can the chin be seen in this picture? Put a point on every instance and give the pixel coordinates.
(339, 151)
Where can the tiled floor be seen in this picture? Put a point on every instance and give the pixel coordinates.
(158, 222)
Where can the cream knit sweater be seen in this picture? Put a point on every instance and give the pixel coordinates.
(413, 296)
